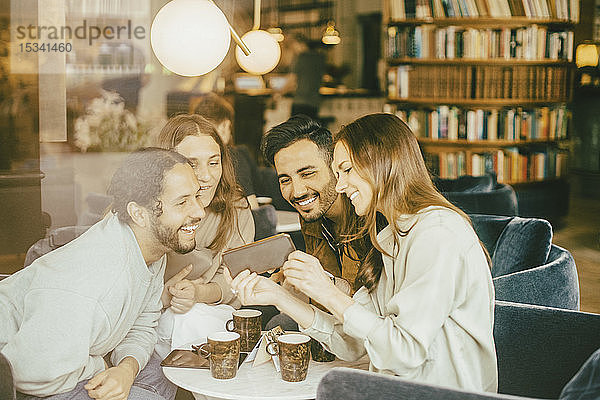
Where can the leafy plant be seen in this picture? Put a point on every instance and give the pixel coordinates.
(108, 126)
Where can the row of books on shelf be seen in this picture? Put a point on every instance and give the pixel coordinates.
(423, 9)
(509, 165)
(508, 124)
(526, 82)
(528, 43)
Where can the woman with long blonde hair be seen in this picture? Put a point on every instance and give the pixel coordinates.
(425, 308)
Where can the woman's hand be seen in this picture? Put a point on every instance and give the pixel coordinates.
(306, 274)
(253, 289)
(178, 277)
(183, 296)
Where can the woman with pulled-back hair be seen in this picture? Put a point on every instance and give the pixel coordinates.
(197, 277)
(425, 310)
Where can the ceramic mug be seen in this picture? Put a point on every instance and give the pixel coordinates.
(293, 350)
(223, 352)
(247, 323)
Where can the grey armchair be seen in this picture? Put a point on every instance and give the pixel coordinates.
(539, 349)
(526, 266)
(265, 221)
(352, 384)
(7, 385)
(55, 239)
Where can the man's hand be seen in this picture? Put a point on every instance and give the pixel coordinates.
(178, 277)
(113, 383)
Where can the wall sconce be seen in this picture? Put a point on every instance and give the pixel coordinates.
(586, 58)
(331, 36)
(192, 37)
(264, 48)
(586, 55)
(277, 33)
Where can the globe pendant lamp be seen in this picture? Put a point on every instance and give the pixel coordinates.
(264, 49)
(190, 37)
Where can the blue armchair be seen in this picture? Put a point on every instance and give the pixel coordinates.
(479, 195)
(526, 266)
(539, 349)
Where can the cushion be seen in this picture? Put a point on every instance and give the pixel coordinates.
(524, 243)
(488, 229)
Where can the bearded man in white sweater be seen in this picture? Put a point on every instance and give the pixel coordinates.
(100, 294)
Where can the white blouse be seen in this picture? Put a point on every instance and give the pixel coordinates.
(431, 316)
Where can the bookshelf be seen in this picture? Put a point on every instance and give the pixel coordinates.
(484, 84)
(306, 17)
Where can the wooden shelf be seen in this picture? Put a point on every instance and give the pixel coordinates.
(531, 83)
(516, 184)
(321, 22)
(486, 22)
(480, 103)
(301, 7)
(477, 61)
(484, 145)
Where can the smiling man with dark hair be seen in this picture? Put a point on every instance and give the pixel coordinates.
(301, 151)
(100, 294)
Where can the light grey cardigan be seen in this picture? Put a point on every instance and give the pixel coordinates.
(72, 306)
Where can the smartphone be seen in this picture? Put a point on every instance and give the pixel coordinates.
(184, 359)
(190, 359)
(260, 256)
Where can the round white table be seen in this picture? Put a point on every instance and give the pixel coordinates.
(260, 382)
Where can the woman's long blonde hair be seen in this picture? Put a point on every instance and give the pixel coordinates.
(228, 193)
(386, 154)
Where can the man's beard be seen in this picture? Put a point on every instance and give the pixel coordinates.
(326, 199)
(169, 238)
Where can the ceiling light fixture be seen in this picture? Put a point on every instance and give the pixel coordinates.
(264, 49)
(192, 37)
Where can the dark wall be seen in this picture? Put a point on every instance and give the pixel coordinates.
(20, 191)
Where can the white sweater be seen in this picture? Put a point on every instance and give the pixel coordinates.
(68, 309)
(431, 316)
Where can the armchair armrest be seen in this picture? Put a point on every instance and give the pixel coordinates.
(554, 284)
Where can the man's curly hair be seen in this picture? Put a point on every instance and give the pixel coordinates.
(141, 179)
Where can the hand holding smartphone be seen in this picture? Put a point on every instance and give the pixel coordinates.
(260, 256)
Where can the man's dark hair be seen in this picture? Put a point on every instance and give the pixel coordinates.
(140, 179)
(294, 129)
